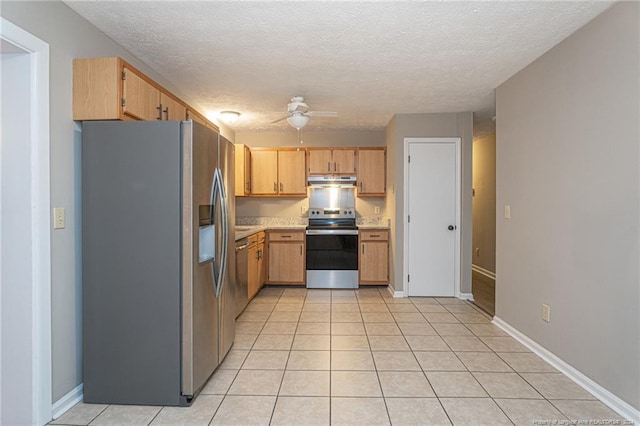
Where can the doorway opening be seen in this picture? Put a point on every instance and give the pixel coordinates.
(25, 255)
(483, 281)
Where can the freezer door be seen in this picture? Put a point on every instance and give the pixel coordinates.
(200, 227)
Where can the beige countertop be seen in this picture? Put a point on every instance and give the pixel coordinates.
(243, 231)
(365, 227)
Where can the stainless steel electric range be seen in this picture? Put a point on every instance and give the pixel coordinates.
(332, 248)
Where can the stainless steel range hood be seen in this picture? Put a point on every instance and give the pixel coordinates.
(332, 181)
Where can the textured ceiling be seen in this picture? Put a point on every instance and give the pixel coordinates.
(365, 60)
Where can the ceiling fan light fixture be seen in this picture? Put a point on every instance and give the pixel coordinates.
(298, 121)
(229, 117)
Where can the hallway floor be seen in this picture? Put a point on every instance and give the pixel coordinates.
(345, 357)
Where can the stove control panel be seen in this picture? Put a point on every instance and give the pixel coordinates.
(332, 213)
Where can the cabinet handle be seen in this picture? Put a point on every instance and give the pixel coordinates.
(328, 166)
(374, 236)
(166, 113)
(300, 250)
(275, 187)
(360, 186)
(281, 187)
(286, 236)
(159, 108)
(363, 249)
(334, 167)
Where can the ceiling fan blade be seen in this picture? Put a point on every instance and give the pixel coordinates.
(322, 113)
(280, 119)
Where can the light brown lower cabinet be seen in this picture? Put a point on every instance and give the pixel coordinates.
(373, 259)
(256, 270)
(286, 257)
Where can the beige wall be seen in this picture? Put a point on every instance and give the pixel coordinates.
(428, 125)
(484, 202)
(568, 164)
(297, 207)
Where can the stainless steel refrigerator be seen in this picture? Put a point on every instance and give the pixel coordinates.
(158, 259)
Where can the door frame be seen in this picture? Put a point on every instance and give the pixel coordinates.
(39, 172)
(458, 231)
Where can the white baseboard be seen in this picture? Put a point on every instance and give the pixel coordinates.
(616, 404)
(485, 272)
(62, 405)
(395, 293)
(466, 296)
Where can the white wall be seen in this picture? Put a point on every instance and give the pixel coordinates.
(568, 164)
(69, 36)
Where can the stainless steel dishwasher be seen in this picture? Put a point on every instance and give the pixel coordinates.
(242, 277)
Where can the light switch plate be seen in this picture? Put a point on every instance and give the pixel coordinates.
(507, 212)
(58, 218)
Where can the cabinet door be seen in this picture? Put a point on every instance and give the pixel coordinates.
(96, 88)
(286, 263)
(141, 99)
(374, 262)
(253, 284)
(291, 171)
(172, 109)
(262, 266)
(243, 169)
(264, 172)
(320, 162)
(371, 172)
(344, 161)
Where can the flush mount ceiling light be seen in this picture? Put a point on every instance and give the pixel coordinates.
(229, 116)
(298, 121)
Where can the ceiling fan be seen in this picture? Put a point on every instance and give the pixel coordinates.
(298, 113)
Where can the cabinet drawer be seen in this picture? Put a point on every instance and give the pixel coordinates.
(286, 236)
(374, 235)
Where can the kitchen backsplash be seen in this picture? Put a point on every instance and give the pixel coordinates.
(297, 221)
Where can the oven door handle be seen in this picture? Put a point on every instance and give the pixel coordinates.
(332, 232)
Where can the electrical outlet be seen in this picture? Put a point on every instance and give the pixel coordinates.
(546, 313)
(58, 218)
(376, 209)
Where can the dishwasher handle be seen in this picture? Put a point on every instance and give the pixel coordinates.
(241, 244)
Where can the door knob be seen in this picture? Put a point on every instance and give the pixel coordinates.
(451, 227)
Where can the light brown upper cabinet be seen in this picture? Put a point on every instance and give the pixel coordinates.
(112, 89)
(140, 99)
(278, 172)
(243, 170)
(291, 172)
(333, 161)
(171, 108)
(372, 173)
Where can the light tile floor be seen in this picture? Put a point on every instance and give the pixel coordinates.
(345, 357)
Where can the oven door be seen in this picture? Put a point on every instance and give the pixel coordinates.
(332, 259)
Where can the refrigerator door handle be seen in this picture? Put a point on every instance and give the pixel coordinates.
(215, 189)
(221, 193)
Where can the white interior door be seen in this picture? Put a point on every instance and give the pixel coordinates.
(432, 221)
